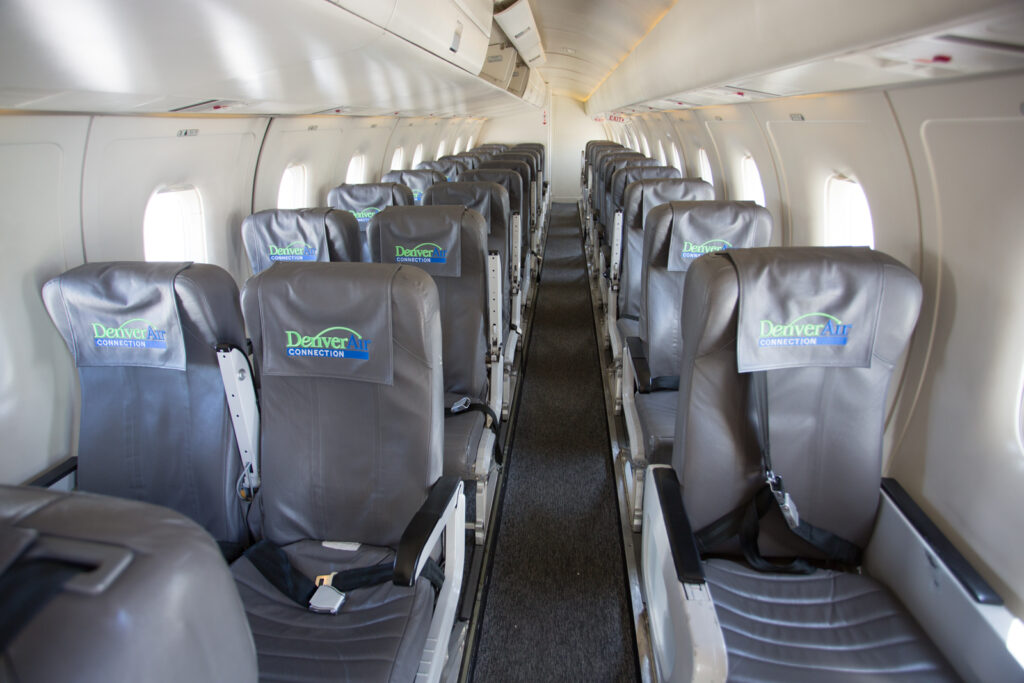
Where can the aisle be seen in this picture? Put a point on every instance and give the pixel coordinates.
(557, 607)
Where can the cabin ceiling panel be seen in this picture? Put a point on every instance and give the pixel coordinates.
(253, 56)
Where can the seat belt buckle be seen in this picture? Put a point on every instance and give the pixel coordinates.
(325, 579)
(461, 405)
(787, 506)
(326, 598)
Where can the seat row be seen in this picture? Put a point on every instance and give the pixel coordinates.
(754, 393)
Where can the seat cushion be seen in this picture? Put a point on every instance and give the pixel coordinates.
(378, 635)
(657, 412)
(829, 625)
(462, 434)
(628, 327)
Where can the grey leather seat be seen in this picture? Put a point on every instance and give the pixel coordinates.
(470, 160)
(491, 201)
(459, 235)
(608, 163)
(300, 235)
(522, 168)
(624, 176)
(823, 329)
(155, 425)
(613, 201)
(352, 433)
(365, 200)
(449, 168)
(417, 181)
(96, 588)
(532, 192)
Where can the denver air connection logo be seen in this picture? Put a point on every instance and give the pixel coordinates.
(428, 252)
(333, 342)
(296, 251)
(693, 250)
(417, 196)
(137, 333)
(363, 215)
(810, 329)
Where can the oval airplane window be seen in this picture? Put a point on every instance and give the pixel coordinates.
(677, 159)
(291, 193)
(356, 171)
(705, 166)
(647, 148)
(417, 155)
(397, 159)
(172, 227)
(750, 180)
(440, 150)
(661, 154)
(847, 214)
(469, 143)
(458, 146)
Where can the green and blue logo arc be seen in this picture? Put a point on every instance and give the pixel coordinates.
(810, 329)
(137, 333)
(343, 343)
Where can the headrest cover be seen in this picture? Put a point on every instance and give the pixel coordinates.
(366, 200)
(319, 320)
(124, 313)
(476, 195)
(700, 228)
(417, 181)
(818, 307)
(424, 236)
(285, 235)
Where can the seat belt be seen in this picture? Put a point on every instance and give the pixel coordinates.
(744, 521)
(466, 404)
(328, 593)
(26, 588)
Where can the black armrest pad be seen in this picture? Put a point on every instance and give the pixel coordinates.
(968, 577)
(417, 533)
(681, 540)
(55, 473)
(638, 353)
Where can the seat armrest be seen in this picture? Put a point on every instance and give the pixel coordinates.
(958, 565)
(423, 531)
(635, 348)
(682, 542)
(54, 474)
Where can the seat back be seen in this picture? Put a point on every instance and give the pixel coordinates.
(448, 167)
(300, 235)
(589, 157)
(482, 154)
(526, 188)
(638, 200)
(365, 200)
(417, 181)
(631, 173)
(512, 181)
(490, 200)
(349, 356)
(470, 160)
(604, 169)
(155, 424)
(613, 203)
(828, 324)
(676, 234)
(536, 146)
(139, 593)
(449, 243)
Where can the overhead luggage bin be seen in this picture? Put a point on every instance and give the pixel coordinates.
(349, 356)
(107, 589)
(300, 235)
(786, 350)
(499, 63)
(149, 341)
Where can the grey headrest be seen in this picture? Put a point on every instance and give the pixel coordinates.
(300, 235)
(347, 459)
(605, 161)
(120, 314)
(154, 600)
(643, 195)
(631, 173)
(461, 280)
(365, 200)
(526, 158)
(470, 160)
(677, 233)
(826, 422)
(814, 307)
(489, 199)
(507, 178)
(449, 168)
(417, 181)
(482, 154)
(517, 165)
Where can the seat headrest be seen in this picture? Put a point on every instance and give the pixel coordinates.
(365, 200)
(449, 168)
(321, 234)
(643, 195)
(807, 307)
(489, 199)
(698, 228)
(121, 314)
(428, 237)
(631, 173)
(415, 180)
(507, 178)
(325, 320)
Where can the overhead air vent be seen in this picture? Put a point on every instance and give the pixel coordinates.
(210, 106)
(521, 28)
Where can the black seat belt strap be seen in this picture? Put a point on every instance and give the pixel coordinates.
(26, 588)
(466, 404)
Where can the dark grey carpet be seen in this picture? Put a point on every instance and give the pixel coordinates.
(557, 607)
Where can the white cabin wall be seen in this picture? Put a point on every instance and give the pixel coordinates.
(961, 454)
(571, 128)
(693, 136)
(528, 125)
(40, 190)
(129, 158)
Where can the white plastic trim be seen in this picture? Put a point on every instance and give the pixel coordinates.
(245, 415)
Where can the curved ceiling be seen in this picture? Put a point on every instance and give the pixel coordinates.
(584, 40)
